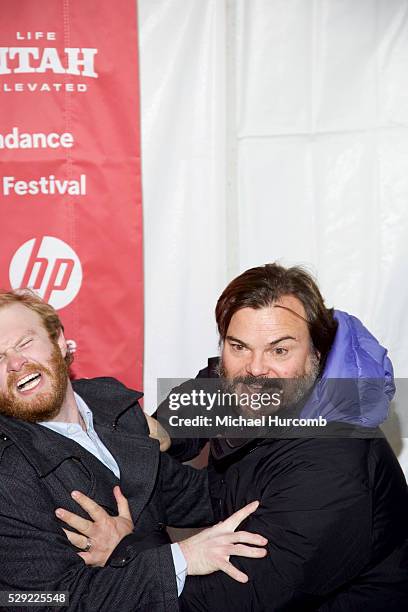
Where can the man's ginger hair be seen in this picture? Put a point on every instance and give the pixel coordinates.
(47, 314)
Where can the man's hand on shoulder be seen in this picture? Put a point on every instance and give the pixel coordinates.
(205, 552)
(157, 432)
(97, 538)
(210, 550)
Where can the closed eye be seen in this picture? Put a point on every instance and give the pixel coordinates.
(25, 343)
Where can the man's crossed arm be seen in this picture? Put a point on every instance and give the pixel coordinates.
(205, 552)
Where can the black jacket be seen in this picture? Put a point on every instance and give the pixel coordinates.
(335, 512)
(38, 470)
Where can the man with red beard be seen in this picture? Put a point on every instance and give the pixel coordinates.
(60, 440)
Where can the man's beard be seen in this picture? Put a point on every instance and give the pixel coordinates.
(45, 405)
(280, 393)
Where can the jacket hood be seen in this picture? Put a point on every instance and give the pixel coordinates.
(357, 383)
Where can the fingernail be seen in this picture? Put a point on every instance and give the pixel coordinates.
(75, 494)
(59, 512)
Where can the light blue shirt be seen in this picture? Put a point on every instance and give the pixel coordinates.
(90, 440)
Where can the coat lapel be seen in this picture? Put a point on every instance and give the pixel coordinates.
(138, 459)
(120, 426)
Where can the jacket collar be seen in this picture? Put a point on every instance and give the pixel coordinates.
(107, 398)
(45, 449)
(357, 383)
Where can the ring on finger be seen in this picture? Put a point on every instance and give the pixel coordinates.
(88, 545)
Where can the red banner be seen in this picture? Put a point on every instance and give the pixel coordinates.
(70, 183)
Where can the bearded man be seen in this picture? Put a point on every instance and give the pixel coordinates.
(60, 440)
(333, 502)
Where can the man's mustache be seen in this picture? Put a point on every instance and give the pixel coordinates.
(259, 383)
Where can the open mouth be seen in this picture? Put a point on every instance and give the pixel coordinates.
(251, 388)
(29, 382)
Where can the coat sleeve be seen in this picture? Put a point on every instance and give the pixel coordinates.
(182, 449)
(186, 502)
(35, 555)
(185, 449)
(318, 525)
(184, 494)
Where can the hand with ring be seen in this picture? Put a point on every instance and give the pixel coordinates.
(98, 537)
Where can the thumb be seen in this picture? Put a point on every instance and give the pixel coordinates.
(122, 503)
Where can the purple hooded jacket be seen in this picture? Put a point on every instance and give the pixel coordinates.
(357, 383)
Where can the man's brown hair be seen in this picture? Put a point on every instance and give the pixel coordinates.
(48, 315)
(262, 286)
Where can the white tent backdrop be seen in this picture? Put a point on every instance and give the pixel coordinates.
(273, 130)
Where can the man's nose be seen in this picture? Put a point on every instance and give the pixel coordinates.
(257, 365)
(15, 360)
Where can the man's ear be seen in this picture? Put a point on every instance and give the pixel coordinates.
(317, 354)
(62, 343)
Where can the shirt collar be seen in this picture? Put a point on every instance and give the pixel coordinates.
(85, 412)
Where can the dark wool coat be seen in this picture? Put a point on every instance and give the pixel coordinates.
(38, 470)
